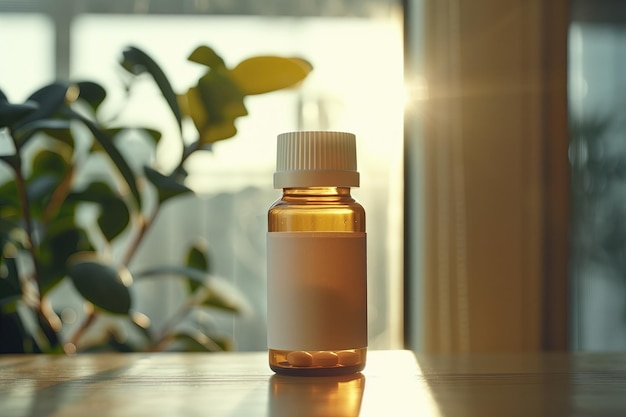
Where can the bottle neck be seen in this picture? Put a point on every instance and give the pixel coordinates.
(316, 192)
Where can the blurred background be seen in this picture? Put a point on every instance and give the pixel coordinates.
(490, 144)
(356, 86)
(597, 83)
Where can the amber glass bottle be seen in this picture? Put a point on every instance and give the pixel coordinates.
(317, 279)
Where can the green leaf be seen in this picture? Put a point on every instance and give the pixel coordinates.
(7, 225)
(197, 259)
(11, 160)
(92, 93)
(197, 275)
(11, 114)
(49, 169)
(40, 188)
(207, 56)
(112, 132)
(47, 162)
(9, 195)
(115, 155)
(263, 74)
(167, 186)
(62, 240)
(56, 128)
(49, 99)
(114, 217)
(101, 285)
(94, 192)
(138, 62)
(114, 213)
(154, 135)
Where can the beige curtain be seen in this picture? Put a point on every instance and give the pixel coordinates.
(496, 186)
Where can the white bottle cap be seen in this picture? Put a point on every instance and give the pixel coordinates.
(316, 159)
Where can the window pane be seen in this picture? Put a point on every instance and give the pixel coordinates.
(598, 158)
(27, 51)
(26, 62)
(356, 86)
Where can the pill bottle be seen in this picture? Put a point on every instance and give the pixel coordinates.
(316, 258)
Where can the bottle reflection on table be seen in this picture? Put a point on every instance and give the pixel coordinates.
(338, 396)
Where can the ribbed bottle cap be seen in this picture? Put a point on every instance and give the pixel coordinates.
(316, 159)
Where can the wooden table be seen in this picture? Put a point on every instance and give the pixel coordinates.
(394, 384)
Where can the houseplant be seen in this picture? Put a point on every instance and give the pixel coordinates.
(54, 135)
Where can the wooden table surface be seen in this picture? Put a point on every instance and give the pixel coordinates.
(393, 384)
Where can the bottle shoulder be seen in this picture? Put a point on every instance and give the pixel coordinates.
(347, 216)
(322, 196)
(290, 204)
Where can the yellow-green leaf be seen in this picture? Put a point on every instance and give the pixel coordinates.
(263, 74)
(207, 56)
(214, 104)
(217, 132)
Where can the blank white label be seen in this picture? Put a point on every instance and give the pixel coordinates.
(316, 290)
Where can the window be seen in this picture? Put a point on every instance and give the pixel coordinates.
(598, 156)
(28, 62)
(356, 50)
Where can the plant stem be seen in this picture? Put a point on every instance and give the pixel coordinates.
(187, 152)
(58, 196)
(43, 319)
(145, 225)
(47, 328)
(28, 221)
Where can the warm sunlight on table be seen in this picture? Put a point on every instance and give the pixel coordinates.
(394, 384)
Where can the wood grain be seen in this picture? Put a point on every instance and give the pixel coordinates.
(394, 384)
